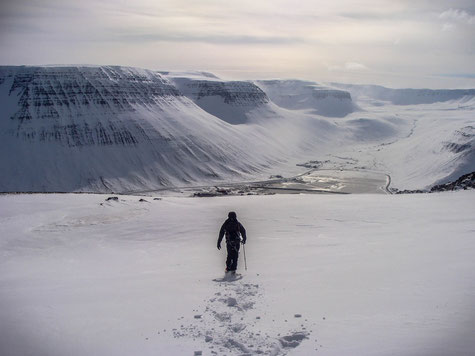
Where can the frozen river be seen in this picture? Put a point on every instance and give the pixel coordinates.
(335, 181)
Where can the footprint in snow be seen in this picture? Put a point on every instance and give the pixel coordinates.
(229, 324)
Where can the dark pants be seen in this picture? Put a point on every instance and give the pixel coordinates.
(233, 254)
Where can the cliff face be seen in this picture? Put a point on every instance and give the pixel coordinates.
(230, 101)
(67, 90)
(302, 95)
(76, 106)
(232, 93)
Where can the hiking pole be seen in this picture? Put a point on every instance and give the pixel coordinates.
(244, 250)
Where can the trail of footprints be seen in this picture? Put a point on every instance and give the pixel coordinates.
(231, 326)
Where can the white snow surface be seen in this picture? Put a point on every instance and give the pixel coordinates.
(327, 275)
(122, 129)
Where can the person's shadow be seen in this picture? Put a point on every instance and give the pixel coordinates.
(229, 277)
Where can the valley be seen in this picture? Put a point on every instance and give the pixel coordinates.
(116, 129)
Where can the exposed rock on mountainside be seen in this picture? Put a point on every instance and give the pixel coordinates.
(466, 181)
(229, 101)
(65, 99)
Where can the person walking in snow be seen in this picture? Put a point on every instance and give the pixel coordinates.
(234, 231)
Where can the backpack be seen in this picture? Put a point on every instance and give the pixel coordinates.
(233, 230)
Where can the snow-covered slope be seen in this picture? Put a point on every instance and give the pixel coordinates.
(439, 146)
(369, 275)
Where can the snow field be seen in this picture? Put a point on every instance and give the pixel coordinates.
(328, 275)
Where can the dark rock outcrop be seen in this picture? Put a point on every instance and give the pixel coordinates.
(466, 181)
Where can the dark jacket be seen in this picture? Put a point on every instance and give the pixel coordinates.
(232, 229)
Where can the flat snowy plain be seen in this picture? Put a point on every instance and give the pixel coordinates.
(327, 275)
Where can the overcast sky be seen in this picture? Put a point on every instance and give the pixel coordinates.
(396, 43)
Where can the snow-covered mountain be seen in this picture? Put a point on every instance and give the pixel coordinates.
(109, 128)
(125, 129)
(318, 99)
(407, 96)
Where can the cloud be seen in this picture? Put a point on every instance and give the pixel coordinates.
(459, 75)
(355, 66)
(366, 39)
(446, 27)
(206, 38)
(348, 66)
(458, 15)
